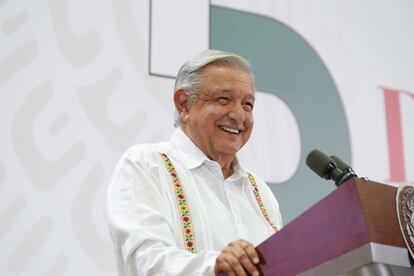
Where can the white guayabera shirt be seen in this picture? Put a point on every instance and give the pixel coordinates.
(145, 223)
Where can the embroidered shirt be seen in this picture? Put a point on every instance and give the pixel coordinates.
(145, 223)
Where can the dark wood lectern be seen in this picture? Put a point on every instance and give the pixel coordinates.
(353, 231)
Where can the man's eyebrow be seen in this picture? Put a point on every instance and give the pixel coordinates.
(251, 97)
(226, 91)
(229, 91)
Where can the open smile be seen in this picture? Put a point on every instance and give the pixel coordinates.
(230, 130)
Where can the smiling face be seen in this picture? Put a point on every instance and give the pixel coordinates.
(220, 120)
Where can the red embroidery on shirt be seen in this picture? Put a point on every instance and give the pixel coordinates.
(185, 217)
(260, 202)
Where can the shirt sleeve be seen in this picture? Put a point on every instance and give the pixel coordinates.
(140, 224)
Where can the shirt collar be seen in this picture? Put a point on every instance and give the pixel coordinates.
(188, 152)
(239, 171)
(193, 157)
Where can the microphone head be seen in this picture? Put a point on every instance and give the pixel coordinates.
(320, 163)
(340, 163)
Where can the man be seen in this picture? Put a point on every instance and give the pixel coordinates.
(187, 206)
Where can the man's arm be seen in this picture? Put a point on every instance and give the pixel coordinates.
(140, 225)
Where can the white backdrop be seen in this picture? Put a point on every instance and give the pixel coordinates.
(80, 82)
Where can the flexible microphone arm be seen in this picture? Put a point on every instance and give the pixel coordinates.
(329, 167)
(348, 172)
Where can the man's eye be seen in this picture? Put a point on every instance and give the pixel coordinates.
(248, 106)
(223, 100)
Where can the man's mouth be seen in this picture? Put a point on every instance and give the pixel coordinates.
(230, 130)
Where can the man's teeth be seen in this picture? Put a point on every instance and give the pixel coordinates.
(231, 130)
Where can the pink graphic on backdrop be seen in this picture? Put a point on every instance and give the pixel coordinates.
(395, 132)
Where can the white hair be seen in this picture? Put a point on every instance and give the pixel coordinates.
(189, 76)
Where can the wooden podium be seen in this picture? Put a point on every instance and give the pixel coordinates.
(352, 231)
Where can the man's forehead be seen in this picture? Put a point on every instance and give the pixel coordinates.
(230, 91)
(223, 70)
(220, 77)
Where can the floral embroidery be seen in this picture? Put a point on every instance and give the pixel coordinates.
(260, 202)
(186, 222)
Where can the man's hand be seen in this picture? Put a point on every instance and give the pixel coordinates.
(238, 258)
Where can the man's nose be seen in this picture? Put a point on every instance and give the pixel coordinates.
(237, 113)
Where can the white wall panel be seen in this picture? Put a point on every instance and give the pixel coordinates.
(179, 29)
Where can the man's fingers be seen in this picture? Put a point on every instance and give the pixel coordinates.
(228, 263)
(238, 257)
(251, 252)
(236, 265)
(248, 265)
(246, 255)
(222, 265)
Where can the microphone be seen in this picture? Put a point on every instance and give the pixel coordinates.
(341, 164)
(329, 167)
(348, 172)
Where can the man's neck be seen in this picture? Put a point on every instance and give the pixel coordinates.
(226, 161)
(227, 172)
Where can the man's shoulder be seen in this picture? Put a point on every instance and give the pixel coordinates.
(145, 152)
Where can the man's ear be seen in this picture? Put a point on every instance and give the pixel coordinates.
(182, 103)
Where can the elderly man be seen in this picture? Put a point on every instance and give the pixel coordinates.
(187, 206)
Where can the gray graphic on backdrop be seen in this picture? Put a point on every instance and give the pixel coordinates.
(59, 266)
(82, 221)
(34, 163)
(17, 60)
(3, 173)
(288, 67)
(94, 100)
(78, 49)
(136, 49)
(15, 22)
(10, 215)
(59, 124)
(29, 246)
(134, 45)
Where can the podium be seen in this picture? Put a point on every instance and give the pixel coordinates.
(352, 231)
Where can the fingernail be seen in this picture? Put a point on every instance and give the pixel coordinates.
(255, 273)
(256, 261)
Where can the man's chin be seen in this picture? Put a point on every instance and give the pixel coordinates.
(230, 150)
